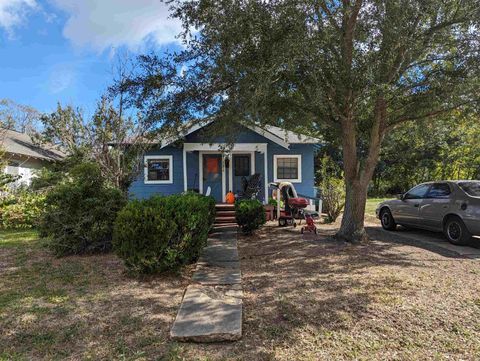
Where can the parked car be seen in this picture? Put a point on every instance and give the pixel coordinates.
(452, 207)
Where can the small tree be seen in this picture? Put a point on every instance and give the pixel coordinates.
(80, 212)
(332, 186)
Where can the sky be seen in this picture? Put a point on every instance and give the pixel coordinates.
(63, 50)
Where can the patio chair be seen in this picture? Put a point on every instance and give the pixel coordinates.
(250, 187)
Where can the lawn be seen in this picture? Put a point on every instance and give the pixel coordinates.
(304, 299)
(372, 204)
(80, 307)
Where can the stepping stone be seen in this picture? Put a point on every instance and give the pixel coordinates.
(209, 314)
(208, 275)
(219, 252)
(228, 242)
(220, 264)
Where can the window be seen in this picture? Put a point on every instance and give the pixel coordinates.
(158, 169)
(287, 168)
(471, 188)
(241, 165)
(417, 192)
(439, 190)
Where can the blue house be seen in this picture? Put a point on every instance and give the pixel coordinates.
(193, 162)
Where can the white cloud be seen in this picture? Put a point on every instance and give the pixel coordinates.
(101, 24)
(62, 77)
(14, 12)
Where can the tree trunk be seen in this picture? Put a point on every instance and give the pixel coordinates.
(352, 227)
(357, 177)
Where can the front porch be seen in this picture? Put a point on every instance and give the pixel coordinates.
(221, 167)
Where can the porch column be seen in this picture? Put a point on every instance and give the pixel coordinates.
(265, 162)
(185, 187)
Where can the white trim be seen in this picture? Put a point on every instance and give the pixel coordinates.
(265, 166)
(217, 147)
(299, 170)
(158, 157)
(268, 135)
(230, 174)
(263, 132)
(185, 179)
(200, 170)
(230, 170)
(252, 162)
(192, 129)
(224, 179)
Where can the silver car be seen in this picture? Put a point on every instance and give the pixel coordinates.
(449, 206)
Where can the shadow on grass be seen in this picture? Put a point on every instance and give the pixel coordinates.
(299, 284)
(83, 307)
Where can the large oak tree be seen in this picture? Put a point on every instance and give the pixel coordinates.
(351, 69)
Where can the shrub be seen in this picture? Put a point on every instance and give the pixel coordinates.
(250, 215)
(333, 198)
(333, 189)
(21, 210)
(163, 233)
(80, 212)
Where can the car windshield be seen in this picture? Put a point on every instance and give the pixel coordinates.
(471, 188)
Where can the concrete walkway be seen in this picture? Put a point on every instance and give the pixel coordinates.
(211, 309)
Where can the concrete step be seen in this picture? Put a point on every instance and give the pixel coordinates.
(211, 310)
(225, 214)
(222, 220)
(224, 207)
(209, 314)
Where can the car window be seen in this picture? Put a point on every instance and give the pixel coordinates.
(417, 192)
(439, 190)
(471, 188)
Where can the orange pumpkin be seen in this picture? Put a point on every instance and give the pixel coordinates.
(230, 198)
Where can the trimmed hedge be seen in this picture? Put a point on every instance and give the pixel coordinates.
(163, 233)
(80, 213)
(250, 215)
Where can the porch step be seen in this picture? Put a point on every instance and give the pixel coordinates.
(225, 214)
(224, 207)
(228, 219)
(221, 213)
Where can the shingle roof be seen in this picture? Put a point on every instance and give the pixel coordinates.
(292, 137)
(21, 143)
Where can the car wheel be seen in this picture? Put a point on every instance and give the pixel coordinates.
(387, 220)
(456, 231)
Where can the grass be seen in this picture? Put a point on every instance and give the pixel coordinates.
(80, 307)
(371, 206)
(305, 298)
(18, 238)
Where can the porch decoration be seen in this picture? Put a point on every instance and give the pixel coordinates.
(230, 198)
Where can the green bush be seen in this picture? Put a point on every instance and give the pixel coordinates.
(333, 198)
(80, 212)
(163, 233)
(333, 189)
(250, 215)
(21, 210)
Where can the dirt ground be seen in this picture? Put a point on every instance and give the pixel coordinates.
(311, 298)
(305, 298)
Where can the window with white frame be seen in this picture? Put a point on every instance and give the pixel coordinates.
(287, 168)
(158, 169)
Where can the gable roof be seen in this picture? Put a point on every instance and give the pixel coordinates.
(277, 135)
(14, 142)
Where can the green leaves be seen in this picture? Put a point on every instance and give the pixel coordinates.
(163, 233)
(250, 215)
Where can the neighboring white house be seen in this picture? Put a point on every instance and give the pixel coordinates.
(24, 157)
